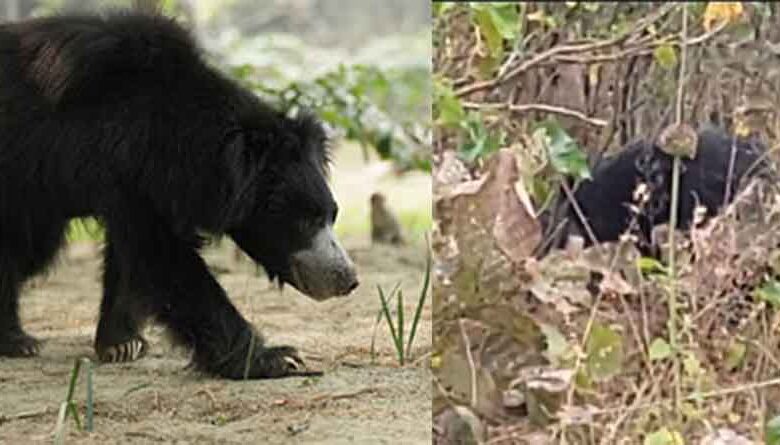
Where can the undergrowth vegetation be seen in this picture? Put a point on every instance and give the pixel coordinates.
(598, 345)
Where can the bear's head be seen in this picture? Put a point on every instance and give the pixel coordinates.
(286, 224)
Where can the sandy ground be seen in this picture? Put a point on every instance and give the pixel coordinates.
(157, 400)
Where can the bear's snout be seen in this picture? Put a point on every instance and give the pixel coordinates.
(324, 270)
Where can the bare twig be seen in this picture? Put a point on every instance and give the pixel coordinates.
(343, 395)
(472, 366)
(615, 426)
(673, 223)
(209, 395)
(730, 171)
(573, 201)
(697, 397)
(565, 49)
(536, 107)
(23, 415)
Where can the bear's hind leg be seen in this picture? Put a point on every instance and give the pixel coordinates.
(14, 341)
(21, 257)
(118, 338)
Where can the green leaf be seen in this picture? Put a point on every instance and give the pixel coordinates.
(420, 301)
(591, 6)
(168, 7)
(565, 154)
(480, 141)
(384, 145)
(539, 188)
(487, 66)
(557, 346)
(772, 431)
(664, 436)
(735, 354)
(498, 23)
(666, 56)
(440, 8)
(650, 265)
(692, 365)
(742, 30)
(621, 27)
(450, 111)
(386, 312)
(504, 16)
(604, 350)
(769, 292)
(333, 117)
(660, 349)
(493, 38)
(505, 20)
(400, 340)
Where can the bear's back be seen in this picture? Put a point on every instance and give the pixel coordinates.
(66, 59)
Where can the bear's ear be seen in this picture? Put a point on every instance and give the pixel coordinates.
(313, 138)
(242, 167)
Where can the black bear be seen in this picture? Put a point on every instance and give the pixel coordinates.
(120, 117)
(607, 198)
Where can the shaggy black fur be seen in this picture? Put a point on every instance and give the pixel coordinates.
(120, 117)
(605, 200)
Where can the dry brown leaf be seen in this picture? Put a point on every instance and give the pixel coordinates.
(451, 171)
(679, 140)
(498, 203)
(516, 231)
(615, 284)
(721, 11)
(484, 232)
(551, 380)
(560, 294)
(545, 391)
(577, 415)
(459, 425)
(725, 436)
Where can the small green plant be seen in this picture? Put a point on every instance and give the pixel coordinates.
(403, 350)
(84, 229)
(68, 407)
(477, 140)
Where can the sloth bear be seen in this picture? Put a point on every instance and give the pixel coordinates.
(607, 198)
(120, 117)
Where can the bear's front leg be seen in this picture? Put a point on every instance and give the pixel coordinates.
(166, 276)
(118, 338)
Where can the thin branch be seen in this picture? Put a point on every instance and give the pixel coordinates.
(564, 49)
(23, 415)
(640, 49)
(536, 107)
(697, 397)
(563, 53)
(672, 303)
(472, 365)
(588, 230)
